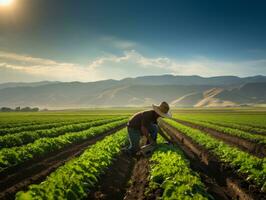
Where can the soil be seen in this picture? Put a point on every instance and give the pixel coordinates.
(112, 185)
(219, 192)
(251, 131)
(229, 182)
(36, 170)
(253, 148)
(127, 178)
(139, 180)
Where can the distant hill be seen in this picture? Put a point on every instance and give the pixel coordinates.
(192, 80)
(180, 91)
(19, 84)
(246, 94)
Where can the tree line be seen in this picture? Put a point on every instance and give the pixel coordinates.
(19, 109)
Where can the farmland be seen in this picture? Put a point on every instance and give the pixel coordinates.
(79, 154)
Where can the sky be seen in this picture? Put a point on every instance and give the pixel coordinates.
(90, 40)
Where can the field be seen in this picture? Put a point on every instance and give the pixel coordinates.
(79, 154)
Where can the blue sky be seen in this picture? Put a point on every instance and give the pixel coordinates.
(92, 40)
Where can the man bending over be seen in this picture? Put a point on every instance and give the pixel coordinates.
(145, 124)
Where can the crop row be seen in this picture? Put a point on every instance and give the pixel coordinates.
(242, 127)
(245, 164)
(9, 124)
(260, 139)
(170, 172)
(250, 119)
(10, 121)
(75, 179)
(13, 156)
(35, 127)
(15, 122)
(22, 138)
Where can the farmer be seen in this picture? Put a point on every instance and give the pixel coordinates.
(145, 124)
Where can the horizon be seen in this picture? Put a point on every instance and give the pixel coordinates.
(136, 91)
(131, 78)
(85, 41)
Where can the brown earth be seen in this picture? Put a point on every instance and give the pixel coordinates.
(253, 148)
(250, 131)
(222, 173)
(219, 179)
(139, 180)
(35, 171)
(112, 185)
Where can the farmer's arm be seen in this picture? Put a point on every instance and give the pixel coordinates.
(163, 134)
(146, 133)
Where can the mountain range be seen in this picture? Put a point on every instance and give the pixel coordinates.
(179, 91)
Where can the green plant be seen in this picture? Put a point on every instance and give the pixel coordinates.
(260, 139)
(18, 139)
(254, 168)
(75, 179)
(16, 128)
(13, 156)
(170, 171)
(243, 127)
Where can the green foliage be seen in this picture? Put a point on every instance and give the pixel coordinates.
(170, 171)
(17, 155)
(19, 119)
(19, 127)
(75, 179)
(244, 120)
(242, 127)
(17, 139)
(231, 131)
(254, 168)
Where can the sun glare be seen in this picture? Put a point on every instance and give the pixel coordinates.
(6, 2)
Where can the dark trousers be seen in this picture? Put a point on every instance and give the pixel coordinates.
(134, 136)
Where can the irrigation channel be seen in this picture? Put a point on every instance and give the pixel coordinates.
(35, 171)
(128, 177)
(203, 161)
(220, 180)
(243, 144)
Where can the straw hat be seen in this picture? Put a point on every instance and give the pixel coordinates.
(162, 109)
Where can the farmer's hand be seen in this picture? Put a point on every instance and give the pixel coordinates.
(146, 133)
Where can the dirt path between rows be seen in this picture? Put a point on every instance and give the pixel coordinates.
(250, 131)
(250, 147)
(112, 185)
(139, 180)
(36, 170)
(227, 181)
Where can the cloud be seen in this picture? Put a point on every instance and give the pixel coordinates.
(60, 72)
(132, 63)
(31, 68)
(28, 59)
(16, 67)
(118, 43)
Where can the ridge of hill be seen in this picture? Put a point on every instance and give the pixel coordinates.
(180, 91)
